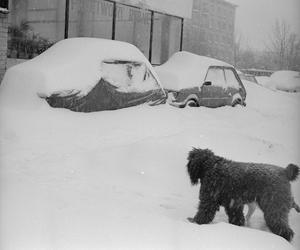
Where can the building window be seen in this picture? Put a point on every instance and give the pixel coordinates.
(34, 26)
(166, 37)
(4, 4)
(133, 26)
(205, 7)
(90, 18)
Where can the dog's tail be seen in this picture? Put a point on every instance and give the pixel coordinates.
(292, 172)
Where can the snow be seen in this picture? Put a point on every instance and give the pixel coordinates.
(284, 80)
(70, 64)
(118, 180)
(185, 69)
(4, 10)
(262, 80)
(129, 77)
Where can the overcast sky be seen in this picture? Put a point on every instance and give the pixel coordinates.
(254, 19)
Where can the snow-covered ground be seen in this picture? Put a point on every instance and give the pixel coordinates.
(117, 179)
(262, 80)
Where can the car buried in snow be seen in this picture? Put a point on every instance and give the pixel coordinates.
(90, 74)
(247, 77)
(193, 80)
(123, 84)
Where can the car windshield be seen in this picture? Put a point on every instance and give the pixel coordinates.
(128, 76)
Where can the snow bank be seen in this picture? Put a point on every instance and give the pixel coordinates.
(262, 80)
(185, 69)
(117, 180)
(285, 80)
(71, 64)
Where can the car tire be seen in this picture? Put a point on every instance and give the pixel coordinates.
(191, 103)
(236, 102)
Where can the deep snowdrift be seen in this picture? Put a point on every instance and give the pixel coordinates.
(262, 80)
(117, 179)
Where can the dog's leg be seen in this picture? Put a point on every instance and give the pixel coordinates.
(296, 206)
(235, 215)
(278, 224)
(251, 209)
(206, 212)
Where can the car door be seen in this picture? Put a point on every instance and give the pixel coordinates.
(234, 85)
(213, 89)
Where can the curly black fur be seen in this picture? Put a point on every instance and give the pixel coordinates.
(232, 184)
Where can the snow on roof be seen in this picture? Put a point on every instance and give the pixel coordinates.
(4, 10)
(73, 63)
(285, 80)
(185, 69)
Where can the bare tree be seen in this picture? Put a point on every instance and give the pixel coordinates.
(244, 55)
(237, 47)
(282, 45)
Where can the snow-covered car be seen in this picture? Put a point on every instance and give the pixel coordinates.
(195, 80)
(89, 74)
(284, 80)
(247, 77)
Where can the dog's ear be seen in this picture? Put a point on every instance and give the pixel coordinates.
(194, 165)
(199, 161)
(292, 172)
(193, 172)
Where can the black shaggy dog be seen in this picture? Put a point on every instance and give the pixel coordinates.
(232, 184)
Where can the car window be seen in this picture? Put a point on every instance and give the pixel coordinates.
(231, 79)
(216, 77)
(128, 76)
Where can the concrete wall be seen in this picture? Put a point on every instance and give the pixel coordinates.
(3, 43)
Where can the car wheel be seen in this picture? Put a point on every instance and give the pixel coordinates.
(192, 103)
(236, 102)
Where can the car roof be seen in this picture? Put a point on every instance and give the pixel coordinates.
(185, 69)
(75, 63)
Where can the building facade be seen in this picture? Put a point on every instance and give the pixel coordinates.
(3, 35)
(210, 31)
(158, 28)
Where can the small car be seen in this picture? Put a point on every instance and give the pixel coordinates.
(193, 80)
